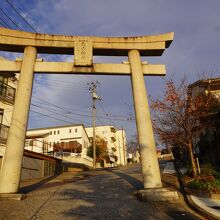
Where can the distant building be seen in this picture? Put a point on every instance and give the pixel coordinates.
(207, 141)
(206, 86)
(116, 143)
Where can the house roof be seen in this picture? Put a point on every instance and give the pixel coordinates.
(54, 127)
(61, 126)
(31, 136)
(205, 82)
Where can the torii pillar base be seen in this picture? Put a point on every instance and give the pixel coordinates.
(157, 195)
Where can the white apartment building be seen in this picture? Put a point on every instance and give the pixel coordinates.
(116, 142)
(121, 147)
(69, 142)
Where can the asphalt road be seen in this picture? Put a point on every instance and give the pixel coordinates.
(102, 194)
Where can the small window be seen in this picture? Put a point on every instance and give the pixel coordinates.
(54, 132)
(70, 130)
(31, 143)
(1, 115)
(58, 131)
(75, 130)
(50, 132)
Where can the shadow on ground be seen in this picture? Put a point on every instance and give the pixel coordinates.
(101, 194)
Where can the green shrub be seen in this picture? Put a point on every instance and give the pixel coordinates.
(207, 183)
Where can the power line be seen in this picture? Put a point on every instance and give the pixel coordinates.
(51, 104)
(78, 114)
(51, 117)
(4, 23)
(9, 18)
(61, 86)
(12, 6)
(106, 114)
(54, 112)
(69, 83)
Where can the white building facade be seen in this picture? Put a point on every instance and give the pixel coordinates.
(59, 142)
(116, 142)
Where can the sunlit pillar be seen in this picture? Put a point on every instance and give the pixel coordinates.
(12, 161)
(149, 161)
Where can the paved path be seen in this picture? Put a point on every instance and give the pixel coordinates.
(102, 194)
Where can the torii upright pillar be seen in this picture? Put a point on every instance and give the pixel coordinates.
(11, 169)
(149, 161)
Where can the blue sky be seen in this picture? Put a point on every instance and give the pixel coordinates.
(195, 50)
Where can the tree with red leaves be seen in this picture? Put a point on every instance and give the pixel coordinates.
(179, 117)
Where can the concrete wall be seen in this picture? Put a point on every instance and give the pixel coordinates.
(32, 168)
(78, 160)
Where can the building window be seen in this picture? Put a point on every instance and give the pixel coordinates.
(50, 132)
(75, 130)
(31, 143)
(1, 115)
(54, 132)
(3, 79)
(58, 131)
(70, 130)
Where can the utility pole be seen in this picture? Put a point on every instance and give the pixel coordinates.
(92, 89)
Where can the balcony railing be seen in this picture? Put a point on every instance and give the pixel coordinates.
(3, 133)
(7, 93)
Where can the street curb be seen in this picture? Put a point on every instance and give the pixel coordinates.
(188, 199)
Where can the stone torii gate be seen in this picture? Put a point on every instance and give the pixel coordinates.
(83, 49)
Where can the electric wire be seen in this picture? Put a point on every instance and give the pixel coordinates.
(106, 113)
(54, 112)
(50, 116)
(25, 20)
(78, 114)
(4, 23)
(10, 18)
(73, 113)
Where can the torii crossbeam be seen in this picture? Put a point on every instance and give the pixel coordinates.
(83, 49)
